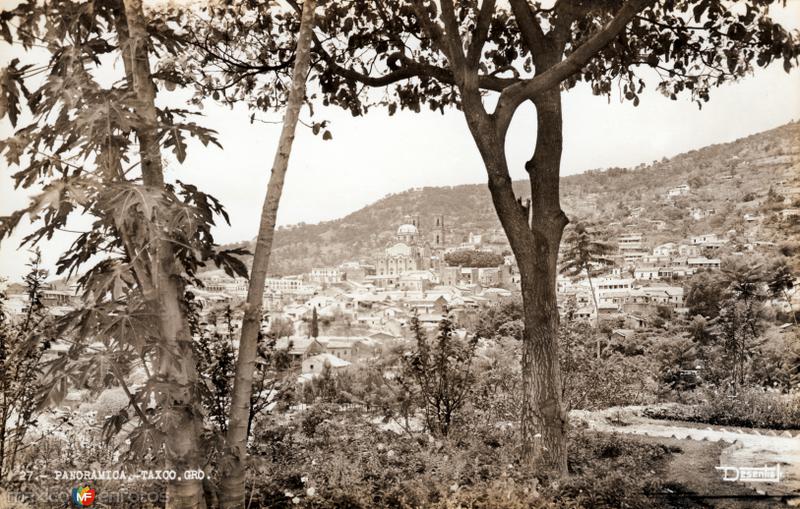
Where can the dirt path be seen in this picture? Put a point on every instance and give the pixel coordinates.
(705, 448)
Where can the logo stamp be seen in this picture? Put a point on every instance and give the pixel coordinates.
(83, 496)
(751, 474)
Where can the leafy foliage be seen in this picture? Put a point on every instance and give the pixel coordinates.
(441, 373)
(473, 258)
(88, 147)
(22, 345)
(687, 46)
(584, 253)
(751, 408)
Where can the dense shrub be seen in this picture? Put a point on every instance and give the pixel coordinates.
(357, 463)
(602, 466)
(750, 408)
(472, 258)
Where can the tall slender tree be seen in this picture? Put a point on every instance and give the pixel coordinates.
(781, 281)
(584, 254)
(488, 58)
(233, 481)
(313, 327)
(96, 148)
(740, 319)
(22, 343)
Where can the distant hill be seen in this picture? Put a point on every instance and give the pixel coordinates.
(726, 181)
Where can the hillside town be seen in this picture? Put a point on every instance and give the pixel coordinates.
(427, 254)
(429, 269)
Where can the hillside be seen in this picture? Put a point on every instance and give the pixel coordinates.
(727, 181)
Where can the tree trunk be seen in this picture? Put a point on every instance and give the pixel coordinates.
(233, 481)
(791, 307)
(534, 235)
(596, 312)
(544, 418)
(176, 362)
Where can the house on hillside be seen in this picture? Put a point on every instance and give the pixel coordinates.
(383, 336)
(687, 250)
(326, 275)
(708, 241)
(630, 242)
(667, 249)
(634, 322)
(417, 280)
(634, 256)
(646, 272)
(585, 313)
(657, 224)
(428, 305)
(703, 263)
(680, 190)
(300, 348)
(622, 334)
(316, 364)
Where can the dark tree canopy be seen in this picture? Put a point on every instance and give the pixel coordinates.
(585, 253)
(244, 49)
(472, 258)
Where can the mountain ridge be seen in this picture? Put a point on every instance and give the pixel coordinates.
(610, 195)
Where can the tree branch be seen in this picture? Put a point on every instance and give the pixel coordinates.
(531, 31)
(516, 94)
(481, 32)
(430, 27)
(408, 70)
(453, 41)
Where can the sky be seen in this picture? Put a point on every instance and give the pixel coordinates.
(372, 156)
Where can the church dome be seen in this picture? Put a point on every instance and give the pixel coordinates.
(407, 229)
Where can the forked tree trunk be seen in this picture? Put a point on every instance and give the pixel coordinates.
(544, 418)
(176, 363)
(534, 236)
(232, 489)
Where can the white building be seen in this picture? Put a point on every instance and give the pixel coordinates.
(667, 249)
(630, 242)
(316, 364)
(326, 275)
(703, 263)
(283, 284)
(647, 273)
(678, 191)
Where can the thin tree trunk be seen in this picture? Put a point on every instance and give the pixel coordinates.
(233, 481)
(791, 308)
(176, 362)
(4, 392)
(596, 312)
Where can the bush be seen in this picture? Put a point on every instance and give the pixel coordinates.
(470, 258)
(361, 465)
(601, 465)
(752, 408)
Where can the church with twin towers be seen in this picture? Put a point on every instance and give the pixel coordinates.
(413, 248)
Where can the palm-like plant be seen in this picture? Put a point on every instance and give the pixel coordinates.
(586, 254)
(781, 280)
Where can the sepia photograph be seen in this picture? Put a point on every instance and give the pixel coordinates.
(402, 254)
